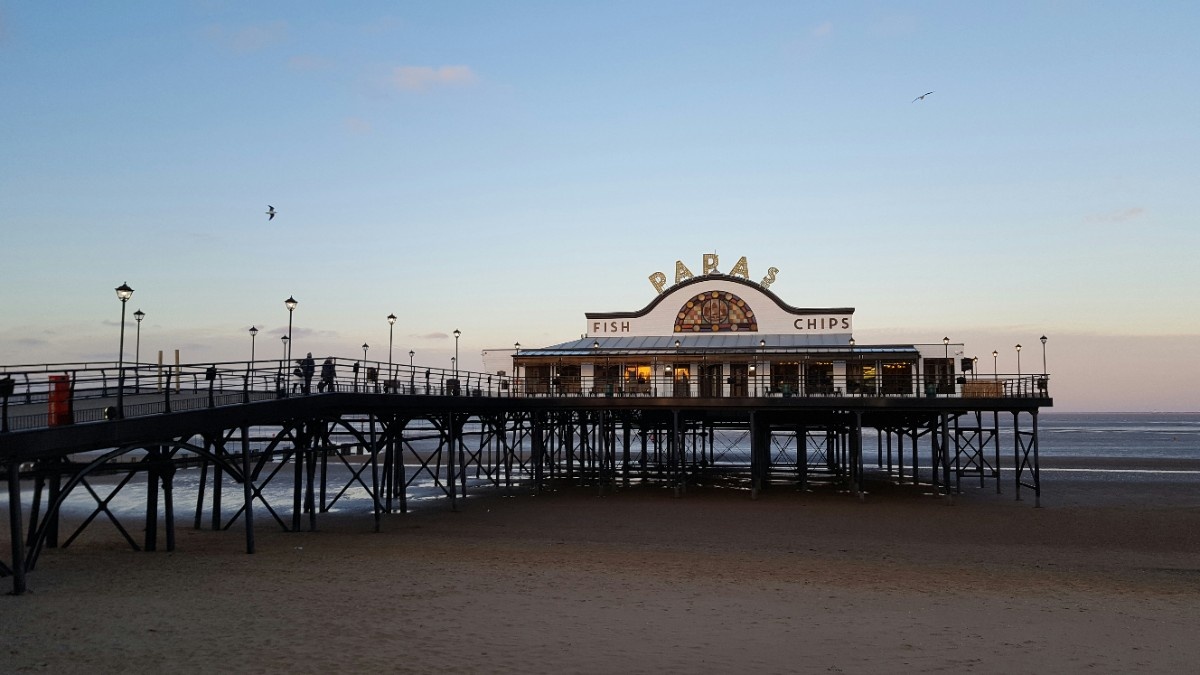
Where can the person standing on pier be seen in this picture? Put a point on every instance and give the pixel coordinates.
(328, 373)
(309, 368)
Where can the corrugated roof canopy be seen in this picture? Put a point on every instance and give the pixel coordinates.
(726, 343)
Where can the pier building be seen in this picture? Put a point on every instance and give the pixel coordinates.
(723, 336)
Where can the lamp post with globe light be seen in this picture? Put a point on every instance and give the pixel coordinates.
(457, 333)
(137, 352)
(516, 369)
(290, 303)
(391, 319)
(124, 293)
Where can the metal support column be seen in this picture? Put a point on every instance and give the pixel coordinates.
(14, 527)
(247, 488)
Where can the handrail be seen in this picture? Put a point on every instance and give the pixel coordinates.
(153, 389)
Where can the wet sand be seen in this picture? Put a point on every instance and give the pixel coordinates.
(1104, 578)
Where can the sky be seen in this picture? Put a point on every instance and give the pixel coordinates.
(501, 168)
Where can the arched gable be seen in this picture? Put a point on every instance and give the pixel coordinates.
(714, 312)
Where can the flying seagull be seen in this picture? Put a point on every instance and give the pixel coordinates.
(270, 212)
(922, 97)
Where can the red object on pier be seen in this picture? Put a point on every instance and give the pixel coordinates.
(60, 401)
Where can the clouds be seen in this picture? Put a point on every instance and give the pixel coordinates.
(421, 78)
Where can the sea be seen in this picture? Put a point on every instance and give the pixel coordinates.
(1120, 435)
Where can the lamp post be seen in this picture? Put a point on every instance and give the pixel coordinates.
(945, 361)
(253, 334)
(1043, 339)
(1018, 362)
(137, 351)
(391, 319)
(975, 367)
(457, 333)
(124, 292)
(995, 371)
(516, 369)
(284, 339)
(758, 359)
(365, 348)
(290, 303)
(412, 389)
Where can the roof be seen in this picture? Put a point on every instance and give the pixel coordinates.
(705, 278)
(743, 343)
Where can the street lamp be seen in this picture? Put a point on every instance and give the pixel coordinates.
(975, 367)
(290, 303)
(1018, 361)
(137, 351)
(995, 372)
(284, 339)
(1043, 339)
(391, 318)
(124, 293)
(365, 348)
(253, 334)
(516, 369)
(412, 389)
(457, 333)
(946, 359)
(759, 358)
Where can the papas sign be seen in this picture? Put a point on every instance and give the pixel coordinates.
(709, 266)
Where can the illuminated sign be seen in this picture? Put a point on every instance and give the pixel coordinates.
(709, 266)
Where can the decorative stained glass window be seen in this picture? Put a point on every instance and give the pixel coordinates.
(713, 312)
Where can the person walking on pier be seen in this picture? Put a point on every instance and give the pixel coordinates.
(328, 373)
(309, 368)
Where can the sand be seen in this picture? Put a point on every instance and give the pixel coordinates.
(1104, 578)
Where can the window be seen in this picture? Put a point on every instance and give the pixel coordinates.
(818, 378)
(897, 378)
(861, 378)
(785, 377)
(715, 311)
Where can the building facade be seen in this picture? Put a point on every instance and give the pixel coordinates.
(720, 335)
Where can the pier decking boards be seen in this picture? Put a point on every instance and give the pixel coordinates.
(303, 454)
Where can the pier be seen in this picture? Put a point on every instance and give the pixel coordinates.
(253, 438)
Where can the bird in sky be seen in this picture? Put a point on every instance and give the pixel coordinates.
(270, 212)
(922, 97)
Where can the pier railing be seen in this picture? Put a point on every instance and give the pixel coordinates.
(41, 395)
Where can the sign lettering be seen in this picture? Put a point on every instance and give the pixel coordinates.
(710, 264)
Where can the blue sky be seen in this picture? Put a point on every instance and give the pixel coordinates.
(502, 168)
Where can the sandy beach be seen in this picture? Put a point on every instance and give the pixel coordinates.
(1104, 578)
